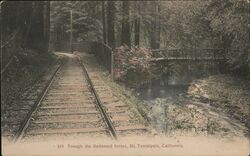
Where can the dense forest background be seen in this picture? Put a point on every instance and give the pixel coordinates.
(43, 25)
(25, 26)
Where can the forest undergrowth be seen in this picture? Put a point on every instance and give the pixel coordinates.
(28, 66)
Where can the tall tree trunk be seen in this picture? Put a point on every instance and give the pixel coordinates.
(158, 27)
(137, 24)
(47, 24)
(155, 32)
(111, 23)
(57, 37)
(36, 37)
(28, 20)
(104, 23)
(9, 11)
(125, 24)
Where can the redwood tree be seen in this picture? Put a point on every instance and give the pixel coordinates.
(137, 24)
(37, 39)
(111, 23)
(104, 23)
(125, 24)
(155, 28)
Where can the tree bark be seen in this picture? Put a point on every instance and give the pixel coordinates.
(36, 37)
(158, 27)
(125, 24)
(31, 19)
(104, 23)
(137, 24)
(27, 23)
(47, 24)
(111, 23)
(155, 32)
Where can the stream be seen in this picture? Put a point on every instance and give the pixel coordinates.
(170, 91)
(157, 95)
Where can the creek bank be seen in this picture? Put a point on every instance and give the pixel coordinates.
(194, 109)
(228, 94)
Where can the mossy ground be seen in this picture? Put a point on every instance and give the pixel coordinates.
(28, 66)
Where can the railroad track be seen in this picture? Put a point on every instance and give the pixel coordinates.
(74, 101)
(12, 114)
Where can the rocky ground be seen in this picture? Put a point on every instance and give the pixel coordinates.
(228, 94)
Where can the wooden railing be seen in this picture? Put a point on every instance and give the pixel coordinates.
(104, 55)
(189, 54)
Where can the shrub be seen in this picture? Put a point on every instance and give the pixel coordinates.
(132, 65)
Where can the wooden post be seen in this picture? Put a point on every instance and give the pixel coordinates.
(71, 50)
(111, 65)
(168, 71)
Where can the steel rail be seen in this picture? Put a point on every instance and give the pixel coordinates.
(27, 119)
(104, 114)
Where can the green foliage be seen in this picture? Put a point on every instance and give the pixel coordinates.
(203, 24)
(183, 24)
(229, 19)
(86, 18)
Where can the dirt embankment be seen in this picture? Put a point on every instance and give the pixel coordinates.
(227, 94)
